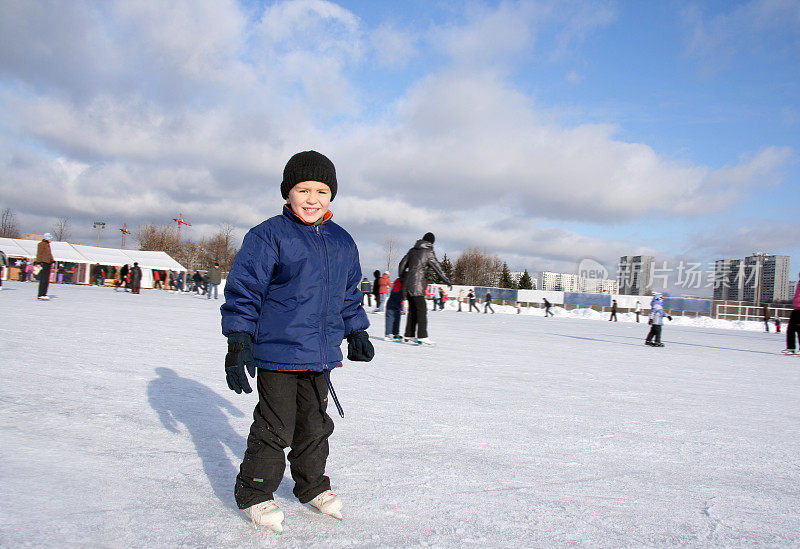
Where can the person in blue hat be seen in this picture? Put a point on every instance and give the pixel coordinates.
(656, 321)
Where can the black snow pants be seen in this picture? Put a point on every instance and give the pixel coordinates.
(655, 332)
(793, 329)
(417, 320)
(291, 412)
(44, 279)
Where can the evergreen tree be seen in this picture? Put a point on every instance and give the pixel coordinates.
(447, 267)
(525, 282)
(432, 276)
(505, 278)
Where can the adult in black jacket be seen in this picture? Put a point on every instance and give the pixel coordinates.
(124, 277)
(136, 278)
(376, 288)
(413, 268)
(488, 303)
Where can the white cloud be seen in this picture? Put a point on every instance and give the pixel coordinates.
(393, 48)
(490, 37)
(466, 141)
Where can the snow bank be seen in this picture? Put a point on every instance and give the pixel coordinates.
(592, 314)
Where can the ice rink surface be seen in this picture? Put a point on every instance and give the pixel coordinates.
(117, 430)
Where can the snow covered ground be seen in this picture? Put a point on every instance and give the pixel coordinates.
(117, 429)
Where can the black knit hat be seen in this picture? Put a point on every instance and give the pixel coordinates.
(429, 237)
(308, 166)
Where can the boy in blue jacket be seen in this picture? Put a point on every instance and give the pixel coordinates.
(291, 296)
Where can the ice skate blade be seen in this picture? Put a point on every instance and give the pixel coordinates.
(274, 528)
(335, 514)
(328, 503)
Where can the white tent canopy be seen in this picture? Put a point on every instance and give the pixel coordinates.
(11, 248)
(104, 256)
(154, 260)
(92, 255)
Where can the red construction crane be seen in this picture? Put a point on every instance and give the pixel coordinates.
(124, 230)
(181, 221)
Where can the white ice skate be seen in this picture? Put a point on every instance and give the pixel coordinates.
(407, 339)
(788, 352)
(388, 337)
(44, 298)
(426, 341)
(267, 513)
(328, 503)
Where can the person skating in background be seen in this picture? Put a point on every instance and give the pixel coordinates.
(436, 297)
(793, 329)
(292, 296)
(443, 298)
(473, 299)
(366, 291)
(136, 278)
(29, 270)
(488, 303)
(462, 293)
(376, 289)
(777, 323)
(656, 321)
(547, 305)
(3, 267)
(124, 274)
(613, 311)
(384, 285)
(214, 280)
(44, 259)
(394, 309)
(767, 315)
(638, 309)
(413, 268)
(197, 282)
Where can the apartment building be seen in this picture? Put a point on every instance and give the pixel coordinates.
(567, 282)
(758, 278)
(635, 274)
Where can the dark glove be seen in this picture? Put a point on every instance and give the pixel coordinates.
(240, 354)
(359, 347)
(670, 318)
(650, 322)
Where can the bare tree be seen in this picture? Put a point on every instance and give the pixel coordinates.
(162, 238)
(391, 248)
(219, 248)
(475, 267)
(192, 254)
(8, 224)
(61, 231)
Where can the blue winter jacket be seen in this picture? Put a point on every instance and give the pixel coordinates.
(294, 287)
(657, 313)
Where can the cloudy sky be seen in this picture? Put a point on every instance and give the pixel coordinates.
(543, 131)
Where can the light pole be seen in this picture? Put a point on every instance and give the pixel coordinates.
(99, 225)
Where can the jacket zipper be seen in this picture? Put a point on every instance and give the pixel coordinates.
(323, 251)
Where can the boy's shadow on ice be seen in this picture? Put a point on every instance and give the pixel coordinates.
(180, 400)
